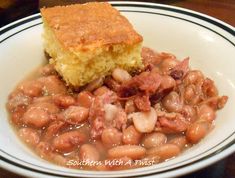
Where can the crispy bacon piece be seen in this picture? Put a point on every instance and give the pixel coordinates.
(173, 125)
(142, 102)
(158, 96)
(112, 84)
(180, 70)
(96, 117)
(147, 82)
(120, 119)
(97, 127)
(126, 92)
(97, 112)
(177, 74)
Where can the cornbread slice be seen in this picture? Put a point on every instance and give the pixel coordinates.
(87, 41)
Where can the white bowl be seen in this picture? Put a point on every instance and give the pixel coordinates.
(209, 43)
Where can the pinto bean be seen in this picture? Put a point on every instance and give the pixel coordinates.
(100, 148)
(68, 141)
(205, 112)
(168, 64)
(64, 101)
(144, 122)
(190, 93)
(75, 114)
(94, 84)
(167, 82)
(150, 57)
(208, 88)
(101, 90)
(193, 77)
(52, 130)
(216, 102)
(31, 88)
(180, 141)
(172, 102)
(18, 100)
(16, 116)
(111, 137)
(165, 56)
(47, 106)
(131, 151)
(36, 117)
(165, 151)
(84, 128)
(130, 106)
(221, 102)
(197, 131)
(52, 85)
(43, 99)
(85, 99)
(110, 112)
(89, 153)
(154, 140)
(43, 149)
(131, 136)
(121, 75)
(30, 136)
(189, 112)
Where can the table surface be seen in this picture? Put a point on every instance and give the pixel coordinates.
(11, 10)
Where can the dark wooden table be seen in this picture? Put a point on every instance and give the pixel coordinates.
(11, 10)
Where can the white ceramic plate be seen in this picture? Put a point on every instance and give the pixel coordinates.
(209, 42)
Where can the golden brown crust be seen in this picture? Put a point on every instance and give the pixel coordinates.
(89, 25)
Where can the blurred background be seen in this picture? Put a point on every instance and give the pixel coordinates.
(11, 10)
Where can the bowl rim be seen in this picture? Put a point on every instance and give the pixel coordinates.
(215, 156)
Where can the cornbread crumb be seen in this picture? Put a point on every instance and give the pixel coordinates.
(87, 41)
